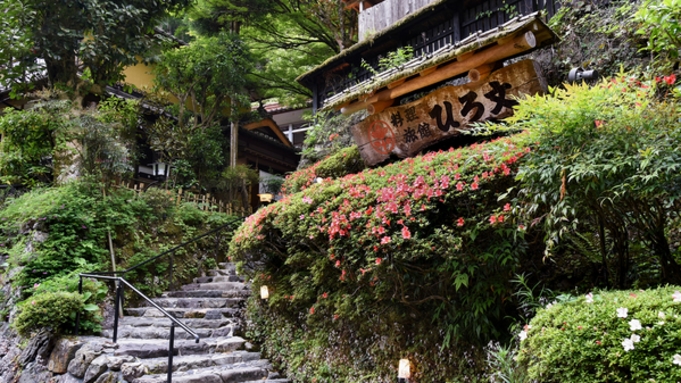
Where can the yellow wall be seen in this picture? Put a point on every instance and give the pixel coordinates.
(139, 75)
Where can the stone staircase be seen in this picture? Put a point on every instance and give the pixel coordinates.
(211, 306)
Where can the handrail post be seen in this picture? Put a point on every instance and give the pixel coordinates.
(116, 309)
(171, 351)
(80, 291)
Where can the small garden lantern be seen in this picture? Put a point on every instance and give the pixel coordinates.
(160, 169)
(264, 292)
(404, 371)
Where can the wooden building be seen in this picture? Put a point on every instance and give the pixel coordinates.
(429, 27)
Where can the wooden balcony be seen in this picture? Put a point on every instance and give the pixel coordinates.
(385, 14)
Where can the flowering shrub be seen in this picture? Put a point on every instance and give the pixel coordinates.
(419, 252)
(623, 336)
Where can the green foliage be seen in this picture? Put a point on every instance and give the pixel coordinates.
(393, 59)
(504, 367)
(106, 35)
(54, 233)
(30, 138)
(597, 35)
(660, 22)
(418, 253)
(51, 309)
(344, 162)
(607, 162)
(46, 139)
(207, 76)
(329, 133)
(578, 341)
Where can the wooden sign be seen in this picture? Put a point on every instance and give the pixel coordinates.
(407, 129)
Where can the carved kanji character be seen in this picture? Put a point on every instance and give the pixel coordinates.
(410, 135)
(410, 114)
(424, 130)
(468, 102)
(436, 113)
(498, 95)
(396, 119)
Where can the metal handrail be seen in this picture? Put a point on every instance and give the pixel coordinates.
(167, 252)
(121, 282)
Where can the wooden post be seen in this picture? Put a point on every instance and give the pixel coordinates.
(179, 197)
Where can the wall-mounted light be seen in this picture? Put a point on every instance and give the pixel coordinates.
(579, 74)
(264, 292)
(404, 371)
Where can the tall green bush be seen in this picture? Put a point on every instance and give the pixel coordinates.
(605, 176)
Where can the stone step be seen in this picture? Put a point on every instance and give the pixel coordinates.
(216, 273)
(207, 294)
(198, 303)
(153, 332)
(225, 286)
(158, 348)
(218, 278)
(253, 371)
(165, 322)
(225, 312)
(189, 362)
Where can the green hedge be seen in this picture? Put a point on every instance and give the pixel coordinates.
(582, 341)
(414, 258)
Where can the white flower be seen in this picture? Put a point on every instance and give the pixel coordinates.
(677, 360)
(589, 298)
(635, 324)
(628, 344)
(548, 306)
(622, 312)
(522, 335)
(635, 338)
(660, 323)
(660, 315)
(676, 296)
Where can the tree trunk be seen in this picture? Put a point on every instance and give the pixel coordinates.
(63, 71)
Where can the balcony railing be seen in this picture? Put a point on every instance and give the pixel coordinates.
(381, 16)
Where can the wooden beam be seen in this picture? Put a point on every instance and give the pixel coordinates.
(480, 73)
(378, 107)
(354, 107)
(490, 55)
(428, 71)
(397, 83)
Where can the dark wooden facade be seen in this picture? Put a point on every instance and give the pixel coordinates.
(447, 22)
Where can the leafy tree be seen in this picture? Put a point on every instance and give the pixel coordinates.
(208, 79)
(660, 21)
(607, 163)
(205, 77)
(286, 37)
(105, 35)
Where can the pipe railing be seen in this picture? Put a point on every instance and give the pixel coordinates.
(120, 284)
